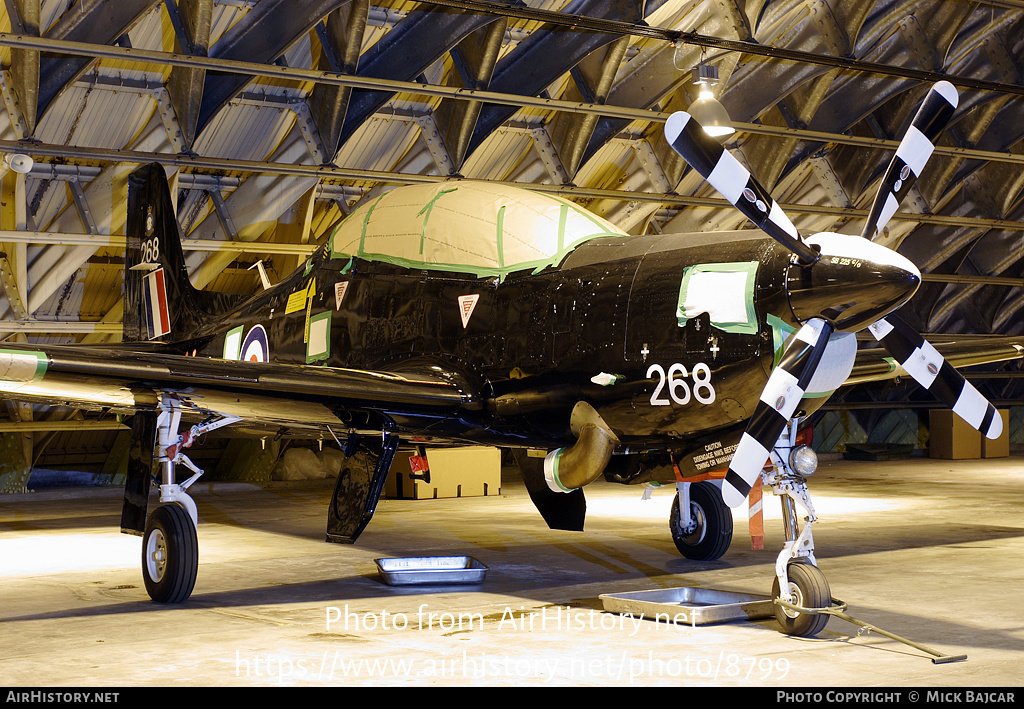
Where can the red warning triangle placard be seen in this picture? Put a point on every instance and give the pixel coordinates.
(466, 305)
(340, 288)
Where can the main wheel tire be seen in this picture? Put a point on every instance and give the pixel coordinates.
(170, 554)
(809, 588)
(713, 534)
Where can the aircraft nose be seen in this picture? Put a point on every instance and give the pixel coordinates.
(854, 283)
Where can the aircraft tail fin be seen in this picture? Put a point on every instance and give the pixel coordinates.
(160, 302)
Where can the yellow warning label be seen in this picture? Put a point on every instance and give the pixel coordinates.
(297, 300)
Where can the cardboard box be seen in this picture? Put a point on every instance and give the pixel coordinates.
(471, 471)
(952, 438)
(999, 448)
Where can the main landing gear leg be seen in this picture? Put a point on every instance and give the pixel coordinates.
(700, 521)
(798, 580)
(170, 544)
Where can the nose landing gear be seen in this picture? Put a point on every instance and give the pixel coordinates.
(798, 580)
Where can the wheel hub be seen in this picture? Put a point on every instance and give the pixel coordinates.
(694, 532)
(796, 598)
(156, 555)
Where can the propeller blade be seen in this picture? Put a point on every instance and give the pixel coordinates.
(785, 388)
(725, 173)
(930, 369)
(911, 155)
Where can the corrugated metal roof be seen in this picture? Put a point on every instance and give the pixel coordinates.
(113, 106)
(247, 130)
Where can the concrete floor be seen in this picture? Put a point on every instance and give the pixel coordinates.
(929, 550)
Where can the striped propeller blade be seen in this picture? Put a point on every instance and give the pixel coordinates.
(785, 388)
(725, 173)
(911, 155)
(930, 369)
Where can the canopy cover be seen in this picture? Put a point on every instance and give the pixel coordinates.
(474, 227)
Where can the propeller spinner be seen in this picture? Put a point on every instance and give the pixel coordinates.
(838, 283)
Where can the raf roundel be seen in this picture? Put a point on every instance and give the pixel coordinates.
(255, 347)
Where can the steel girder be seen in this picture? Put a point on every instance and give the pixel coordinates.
(93, 21)
(24, 15)
(261, 36)
(660, 75)
(891, 101)
(473, 59)
(592, 80)
(185, 84)
(548, 54)
(407, 51)
(763, 90)
(341, 37)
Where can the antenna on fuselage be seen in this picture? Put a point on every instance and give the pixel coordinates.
(263, 274)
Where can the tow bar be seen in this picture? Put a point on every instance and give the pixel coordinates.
(838, 609)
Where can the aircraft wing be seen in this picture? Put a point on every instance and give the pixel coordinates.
(875, 364)
(274, 394)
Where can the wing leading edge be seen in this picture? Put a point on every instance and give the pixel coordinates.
(259, 392)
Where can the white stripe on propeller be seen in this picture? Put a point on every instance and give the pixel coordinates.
(729, 177)
(912, 154)
(929, 368)
(914, 150)
(782, 394)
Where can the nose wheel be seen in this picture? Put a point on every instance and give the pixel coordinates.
(798, 581)
(170, 554)
(808, 588)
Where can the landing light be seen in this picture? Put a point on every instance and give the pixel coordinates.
(803, 460)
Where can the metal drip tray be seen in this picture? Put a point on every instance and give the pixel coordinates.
(431, 570)
(691, 606)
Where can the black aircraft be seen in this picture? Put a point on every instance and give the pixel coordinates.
(467, 312)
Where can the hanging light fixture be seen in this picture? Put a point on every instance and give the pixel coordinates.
(706, 110)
